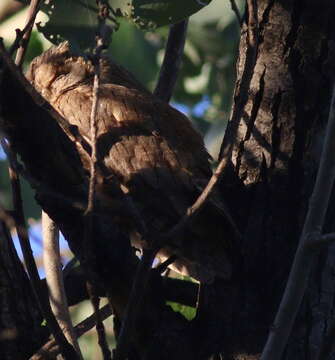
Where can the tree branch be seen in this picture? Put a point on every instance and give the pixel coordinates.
(193, 210)
(302, 264)
(51, 348)
(234, 7)
(32, 12)
(172, 61)
(101, 44)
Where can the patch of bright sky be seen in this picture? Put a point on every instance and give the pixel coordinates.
(198, 110)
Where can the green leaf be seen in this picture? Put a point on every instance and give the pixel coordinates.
(150, 14)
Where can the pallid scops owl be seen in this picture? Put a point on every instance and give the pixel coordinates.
(153, 150)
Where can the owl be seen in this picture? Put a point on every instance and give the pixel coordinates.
(151, 149)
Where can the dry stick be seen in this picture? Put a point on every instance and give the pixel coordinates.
(67, 350)
(167, 79)
(51, 348)
(172, 60)
(302, 264)
(101, 44)
(234, 7)
(102, 341)
(54, 279)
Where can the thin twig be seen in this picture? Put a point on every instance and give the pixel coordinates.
(193, 210)
(99, 322)
(101, 44)
(172, 61)
(302, 264)
(32, 12)
(234, 7)
(51, 348)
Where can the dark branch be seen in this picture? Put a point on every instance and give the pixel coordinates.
(234, 7)
(51, 349)
(172, 61)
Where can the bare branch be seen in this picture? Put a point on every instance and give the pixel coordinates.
(172, 60)
(54, 279)
(51, 349)
(33, 10)
(234, 7)
(91, 289)
(101, 44)
(302, 264)
(199, 203)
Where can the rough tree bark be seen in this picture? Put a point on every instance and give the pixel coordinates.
(274, 138)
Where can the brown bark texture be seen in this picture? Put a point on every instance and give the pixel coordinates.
(274, 140)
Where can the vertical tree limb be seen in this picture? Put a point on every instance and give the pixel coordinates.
(302, 264)
(234, 7)
(172, 60)
(54, 279)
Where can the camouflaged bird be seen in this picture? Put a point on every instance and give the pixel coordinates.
(151, 148)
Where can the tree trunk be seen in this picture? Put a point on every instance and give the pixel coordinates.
(273, 140)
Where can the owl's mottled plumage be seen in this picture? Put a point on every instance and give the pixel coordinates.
(152, 149)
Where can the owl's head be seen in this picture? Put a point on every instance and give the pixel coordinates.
(56, 70)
